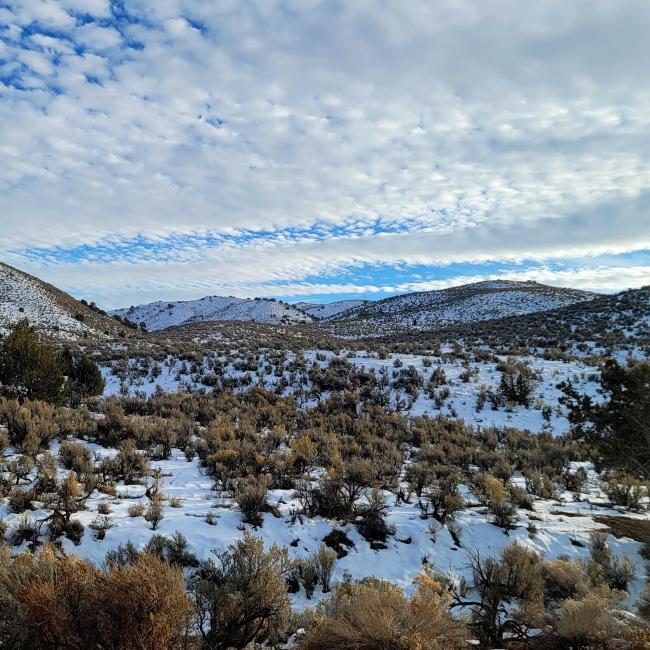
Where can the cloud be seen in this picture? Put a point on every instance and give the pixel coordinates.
(318, 136)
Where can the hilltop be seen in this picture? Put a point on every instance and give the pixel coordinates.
(160, 315)
(467, 303)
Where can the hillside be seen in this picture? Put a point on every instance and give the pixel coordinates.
(160, 315)
(621, 320)
(467, 303)
(323, 311)
(50, 310)
(249, 335)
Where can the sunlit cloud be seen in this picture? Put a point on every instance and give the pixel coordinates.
(175, 148)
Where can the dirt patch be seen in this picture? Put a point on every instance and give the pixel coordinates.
(570, 513)
(636, 529)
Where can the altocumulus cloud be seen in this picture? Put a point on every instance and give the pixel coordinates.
(172, 148)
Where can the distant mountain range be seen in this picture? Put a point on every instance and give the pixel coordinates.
(493, 303)
(471, 302)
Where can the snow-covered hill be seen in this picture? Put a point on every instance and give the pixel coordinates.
(468, 303)
(619, 321)
(160, 315)
(47, 308)
(331, 309)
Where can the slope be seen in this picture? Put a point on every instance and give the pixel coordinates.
(329, 310)
(160, 315)
(467, 303)
(50, 310)
(607, 322)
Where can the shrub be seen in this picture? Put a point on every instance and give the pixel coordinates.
(325, 560)
(564, 579)
(100, 525)
(308, 574)
(123, 555)
(575, 481)
(614, 571)
(492, 492)
(154, 513)
(251, 500)
(521, 498)
(20, 500)
(130, 465)
(540, 485)
(55, 601)
(516, 382)
(373, 614)
(137, 509)
(504, 515)
(586, 621)
(373, 525)
(626, 491)
(445, 499)
(23, 530)
(241, 597)
(514, 578)
(174, 549)
(76, 457)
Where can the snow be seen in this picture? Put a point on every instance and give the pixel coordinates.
(461, 403)
(160, 315)
(330, 309)
(400, 562)
(22, 296)
(467, 303)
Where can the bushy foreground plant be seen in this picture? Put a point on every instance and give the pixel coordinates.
(54, 601)
(373, 614)
(241, 596)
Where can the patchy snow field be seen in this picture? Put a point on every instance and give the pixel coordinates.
(410, 547)
(173, 374)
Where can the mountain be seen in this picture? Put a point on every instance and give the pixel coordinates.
(322, 311)
(620, 320)
(467, 303)
(50, 310)
(160, 315)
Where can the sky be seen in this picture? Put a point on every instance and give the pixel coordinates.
(317, 150)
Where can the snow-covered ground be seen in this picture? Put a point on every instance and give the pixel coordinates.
(211, 521)
(468, 303)
(330, 309)
(410, 547)
(160, 315)
(24, 297)
(544, 414)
